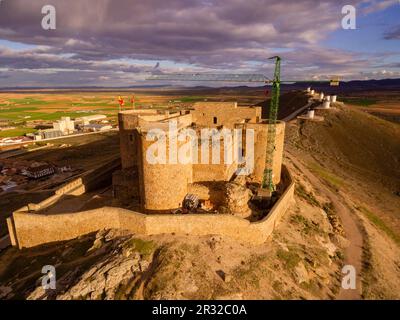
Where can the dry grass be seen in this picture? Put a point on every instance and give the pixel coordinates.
(380, 224)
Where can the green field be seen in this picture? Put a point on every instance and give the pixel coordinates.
(21, 116)
(192, 99)
(50, 108)
(16, 132)
(20, 108)
(364, 102)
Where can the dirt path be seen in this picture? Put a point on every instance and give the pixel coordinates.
(353, 253)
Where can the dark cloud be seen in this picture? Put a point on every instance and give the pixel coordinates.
(40, 59)
(94, 35)
(185, 31)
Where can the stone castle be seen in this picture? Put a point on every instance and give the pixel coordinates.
(160, 188)
(150, 191)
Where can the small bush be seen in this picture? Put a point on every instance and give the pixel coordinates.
(289, 258)
(378, 222)
(145, 248)
(301, 192)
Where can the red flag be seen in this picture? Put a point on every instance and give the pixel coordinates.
(120, 101)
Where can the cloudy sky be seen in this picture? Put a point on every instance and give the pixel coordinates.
(120, 42)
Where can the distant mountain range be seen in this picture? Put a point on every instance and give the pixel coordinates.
(355, 85)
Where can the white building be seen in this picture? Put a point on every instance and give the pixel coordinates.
(65, 125)
(50, 134)
(86, 120)
(96, 127)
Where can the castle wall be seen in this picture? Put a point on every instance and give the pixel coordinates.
(126, 185)
(222, 171)
(150, 183)
(226, 114)
(36, 229)
(143, 119)
(164, 186)
(31, 229)
(260, 148)
(185, 120)
(128, 138)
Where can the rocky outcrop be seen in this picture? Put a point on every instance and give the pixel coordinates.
(109, 278)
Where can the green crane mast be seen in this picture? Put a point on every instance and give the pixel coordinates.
(267, 182)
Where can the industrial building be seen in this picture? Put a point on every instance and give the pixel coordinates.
(48, 134)
(95, 127)
(87, 119)
(65, 125)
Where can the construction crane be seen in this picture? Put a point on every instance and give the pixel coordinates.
(267, 182)
(267, 185)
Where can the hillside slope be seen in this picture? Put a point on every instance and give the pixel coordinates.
(302, 261)
(357, 155)
(349, 137)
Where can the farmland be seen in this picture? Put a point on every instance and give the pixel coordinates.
(23, 110)
(384, 104)
(23, 107)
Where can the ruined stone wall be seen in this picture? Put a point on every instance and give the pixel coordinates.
(224, 172)
(142, 119)
(185, 120)
(213, 191)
